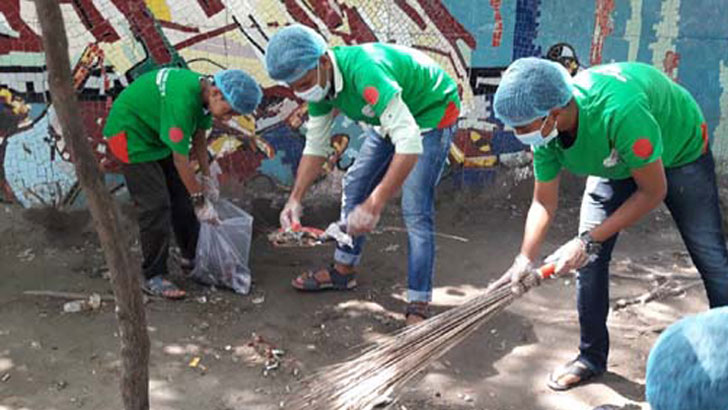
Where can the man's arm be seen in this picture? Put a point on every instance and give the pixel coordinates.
(540, 214)
(651, 191)
(401, 127)
(308, 170)
(186, 173)
(317, 149)
(199, 147)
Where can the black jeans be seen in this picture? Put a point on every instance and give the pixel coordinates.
(692, 198)
(162, 201)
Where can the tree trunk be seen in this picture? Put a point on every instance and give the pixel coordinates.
(125, 279)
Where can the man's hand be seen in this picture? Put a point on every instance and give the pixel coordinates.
(206, 213)
(210, 188)
(521, 267)
(570, 256)
(363, 218)
(290, 217)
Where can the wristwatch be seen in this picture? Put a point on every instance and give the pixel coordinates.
(198, 199)
(592, 246)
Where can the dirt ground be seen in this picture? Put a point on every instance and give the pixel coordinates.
(51, 360)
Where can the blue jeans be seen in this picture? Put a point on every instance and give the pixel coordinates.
(418, 207)
(692, 198)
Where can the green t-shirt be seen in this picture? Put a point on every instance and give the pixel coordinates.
(630, 114)
(156, 114)
(374, 73)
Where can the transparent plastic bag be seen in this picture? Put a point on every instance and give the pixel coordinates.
(222, 252)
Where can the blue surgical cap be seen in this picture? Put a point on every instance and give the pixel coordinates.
(240, 90)
(292, 51)
(688, 365)
(529, 89)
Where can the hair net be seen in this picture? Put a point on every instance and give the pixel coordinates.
(239, 89)
(688, 365)
(292, 51)
(529, 89)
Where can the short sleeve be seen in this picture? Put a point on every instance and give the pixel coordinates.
(636, 136)
(318, 136)
(546, 163)
(319, 109)
(206, 123)
(376, 87)
(178, 119)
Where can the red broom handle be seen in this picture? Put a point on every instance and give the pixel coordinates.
(547, 271)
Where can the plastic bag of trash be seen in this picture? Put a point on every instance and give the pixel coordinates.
(222, 250)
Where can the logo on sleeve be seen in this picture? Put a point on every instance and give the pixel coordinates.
(642, 148)
(176, 134)
(371, 95)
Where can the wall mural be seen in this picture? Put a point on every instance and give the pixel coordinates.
(111, 42)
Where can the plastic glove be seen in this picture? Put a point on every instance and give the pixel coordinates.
(570, 256)
(291, 215)
(207, 213)
(522, 267)
(361, 221)
(210, 188)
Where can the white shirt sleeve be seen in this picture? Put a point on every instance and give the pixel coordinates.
(318, 135)
(397, 122)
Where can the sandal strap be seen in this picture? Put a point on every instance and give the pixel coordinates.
(158, 285)
(339, 280)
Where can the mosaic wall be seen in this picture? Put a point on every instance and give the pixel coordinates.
(111, 42)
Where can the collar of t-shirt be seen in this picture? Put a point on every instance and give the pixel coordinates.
(338, 79)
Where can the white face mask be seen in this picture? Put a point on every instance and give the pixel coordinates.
(315, 93)
(536, 138)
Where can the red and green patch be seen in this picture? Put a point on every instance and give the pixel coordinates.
(371, 95)
(450, 116)
(118, 146)
(643, 148)
(176, 134)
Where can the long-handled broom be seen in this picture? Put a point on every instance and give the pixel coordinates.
(367, 380)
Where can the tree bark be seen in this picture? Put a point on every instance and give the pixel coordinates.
(125, 280)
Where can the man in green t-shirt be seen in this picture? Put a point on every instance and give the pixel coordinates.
(642, 139)
(153, 127)
(416, 105)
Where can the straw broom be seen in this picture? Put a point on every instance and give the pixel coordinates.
(368, 380)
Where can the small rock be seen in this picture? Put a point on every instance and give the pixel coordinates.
(5, 377)
(258, 300)
(391, 248)
(61, 384)
(94, 301)
(75, 306)
(202, 299)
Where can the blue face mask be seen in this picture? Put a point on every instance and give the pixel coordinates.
(536, 138)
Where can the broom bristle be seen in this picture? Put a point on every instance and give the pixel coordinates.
(366, 380)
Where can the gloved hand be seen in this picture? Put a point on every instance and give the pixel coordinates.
(361, 221)
(206, 213)
(570, 256)
(210, 188)
(291, 215)
(521, 267)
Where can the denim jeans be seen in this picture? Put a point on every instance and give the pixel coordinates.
(692, 198)
(418, 208)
